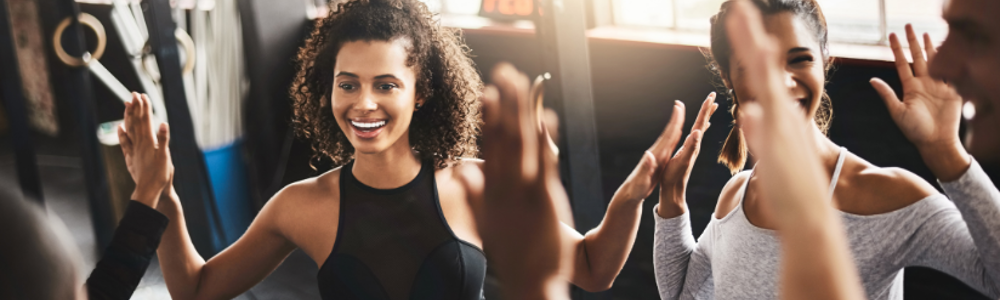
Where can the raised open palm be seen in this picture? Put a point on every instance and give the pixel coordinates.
(676, 171)
(659, 164)
(930, 111)
(147, 154)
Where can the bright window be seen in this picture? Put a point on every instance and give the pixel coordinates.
(656, 13)
(925, 15)
(849, 21)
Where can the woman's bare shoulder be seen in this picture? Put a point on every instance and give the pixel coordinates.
(305, 195)
(326, 184)
(463, 170)
(874, 190)
(462, 176)
(729, 197)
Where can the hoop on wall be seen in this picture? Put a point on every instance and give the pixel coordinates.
(86, 20)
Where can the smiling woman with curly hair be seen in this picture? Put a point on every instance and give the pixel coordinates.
(444, 129)
(392, 98)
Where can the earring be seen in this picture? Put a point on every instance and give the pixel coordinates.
(419, 105)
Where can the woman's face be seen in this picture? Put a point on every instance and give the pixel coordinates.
(803, 63)
(374, 94)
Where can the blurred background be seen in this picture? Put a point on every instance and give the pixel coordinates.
(223, 87)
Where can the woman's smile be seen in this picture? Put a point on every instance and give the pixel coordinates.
(367, 128)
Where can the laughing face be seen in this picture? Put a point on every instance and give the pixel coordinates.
(374, 94)
(804, 69)
(969, 59)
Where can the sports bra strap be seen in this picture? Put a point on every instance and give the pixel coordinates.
(836, 171)
(833, 181)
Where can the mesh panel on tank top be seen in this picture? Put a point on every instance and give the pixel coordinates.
(395, 244)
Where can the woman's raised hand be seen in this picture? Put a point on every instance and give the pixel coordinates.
(674, 171)
(930, 112)
(643, 179)
(147, 155)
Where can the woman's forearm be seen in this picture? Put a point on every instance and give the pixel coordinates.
(180, 262)
(602, 252)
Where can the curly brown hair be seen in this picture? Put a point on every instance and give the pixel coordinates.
(444, 129)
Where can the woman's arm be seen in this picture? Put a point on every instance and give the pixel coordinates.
(231, 272)
(683, 268)
(929, 116)
(815, 261)
(187, 275)
(600, 254)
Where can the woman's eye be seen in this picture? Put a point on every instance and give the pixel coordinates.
(387, 86)
(801, 59)
(347, 86)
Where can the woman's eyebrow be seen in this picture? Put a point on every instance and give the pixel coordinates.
(799, 49)
(387, 76)
(348, 74)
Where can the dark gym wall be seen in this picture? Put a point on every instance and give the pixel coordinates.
(634, 86)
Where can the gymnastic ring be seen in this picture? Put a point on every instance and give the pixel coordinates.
(72, 61)
(189, 54)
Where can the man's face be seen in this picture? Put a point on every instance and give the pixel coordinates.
(969, 59)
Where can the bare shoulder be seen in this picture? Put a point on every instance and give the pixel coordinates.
(462, 175)
(729, 198)
(325, 185)
(874, 190)
(299, 199)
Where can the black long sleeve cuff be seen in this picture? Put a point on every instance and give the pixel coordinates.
(123, 264)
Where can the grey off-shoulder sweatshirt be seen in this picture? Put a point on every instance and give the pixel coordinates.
(734, 259)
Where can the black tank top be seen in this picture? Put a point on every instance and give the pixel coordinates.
(395, 244)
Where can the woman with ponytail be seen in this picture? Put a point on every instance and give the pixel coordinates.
(893, 219)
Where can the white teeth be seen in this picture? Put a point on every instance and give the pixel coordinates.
(368, 125)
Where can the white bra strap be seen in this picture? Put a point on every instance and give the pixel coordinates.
(836, 171)
(743, 190)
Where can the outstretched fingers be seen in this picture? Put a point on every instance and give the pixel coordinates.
(492, 144)
(124, 141)
(517, 119)
(667, 141)
(929, 47)
(902, 66)
(759, 55)
(888, 95)
(147, 119)
(919, 64)
(163, 136)
(692, 146)
(708, 108)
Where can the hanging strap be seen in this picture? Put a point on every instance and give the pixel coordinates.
(191, 174)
